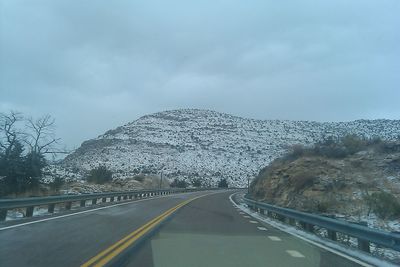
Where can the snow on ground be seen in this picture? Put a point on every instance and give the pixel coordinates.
(192, 143)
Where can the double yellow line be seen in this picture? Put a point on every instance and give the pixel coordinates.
(111, 252)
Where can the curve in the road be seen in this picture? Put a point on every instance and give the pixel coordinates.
(113, 251)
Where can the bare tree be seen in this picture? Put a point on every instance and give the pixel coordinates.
(8, 130)
(41, 135)
(22, 152)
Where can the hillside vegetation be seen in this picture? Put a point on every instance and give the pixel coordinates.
(350, 175)
(191, 144)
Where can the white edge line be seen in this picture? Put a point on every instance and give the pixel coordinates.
(85, 211)
(326, 247)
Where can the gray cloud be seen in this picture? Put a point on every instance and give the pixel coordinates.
(95, 65)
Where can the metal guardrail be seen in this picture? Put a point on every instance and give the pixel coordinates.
(31, 202)
(364, 235)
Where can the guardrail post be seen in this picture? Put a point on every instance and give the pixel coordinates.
(332, 235)
(3, 214)
(94, 201)
(309, 227)
(118, 198)
(361, 243)
(280, 217)
(305, 226)
(130, 196)
(111, 199)
(262, 211)
(125, 197)
(82, 203)
(68, 205)
(29, 211)
(50, 208)
(292, 221)
(104, 199)
(252, 206)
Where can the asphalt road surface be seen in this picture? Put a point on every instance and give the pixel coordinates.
(192, 229)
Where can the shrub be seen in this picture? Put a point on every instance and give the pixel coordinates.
(223, 183)
(301, 180)
(330, 147)
(196, 182)
(139, 178)
(57, 183)
(100, 175)
(295, 152)
(383, 204)
(323, 206)
(386, 147)
(353, 143)
(179, 183)
(335, 147)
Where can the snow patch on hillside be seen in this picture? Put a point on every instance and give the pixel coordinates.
(192, 143)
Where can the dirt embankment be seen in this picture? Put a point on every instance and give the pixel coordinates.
(356, 179)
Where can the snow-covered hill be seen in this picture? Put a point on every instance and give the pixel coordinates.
(191, 143)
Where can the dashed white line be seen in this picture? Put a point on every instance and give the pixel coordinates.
(253, 222)
(295, 254)
(247, 217)
(328, 247)
(262, 228)
(274, 238)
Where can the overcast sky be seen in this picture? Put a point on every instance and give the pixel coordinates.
(95, 65)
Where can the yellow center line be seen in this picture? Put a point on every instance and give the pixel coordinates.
(108, 254)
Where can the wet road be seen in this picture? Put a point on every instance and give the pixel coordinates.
(192, 229)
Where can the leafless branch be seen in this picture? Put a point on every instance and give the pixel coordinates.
(8, 130)
(41, 138)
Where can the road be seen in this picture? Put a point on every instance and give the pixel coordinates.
(192, 229)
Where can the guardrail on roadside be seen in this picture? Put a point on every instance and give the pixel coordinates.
(50, 201)
(364, 234)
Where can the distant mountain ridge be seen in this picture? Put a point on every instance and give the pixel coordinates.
(193, 143)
